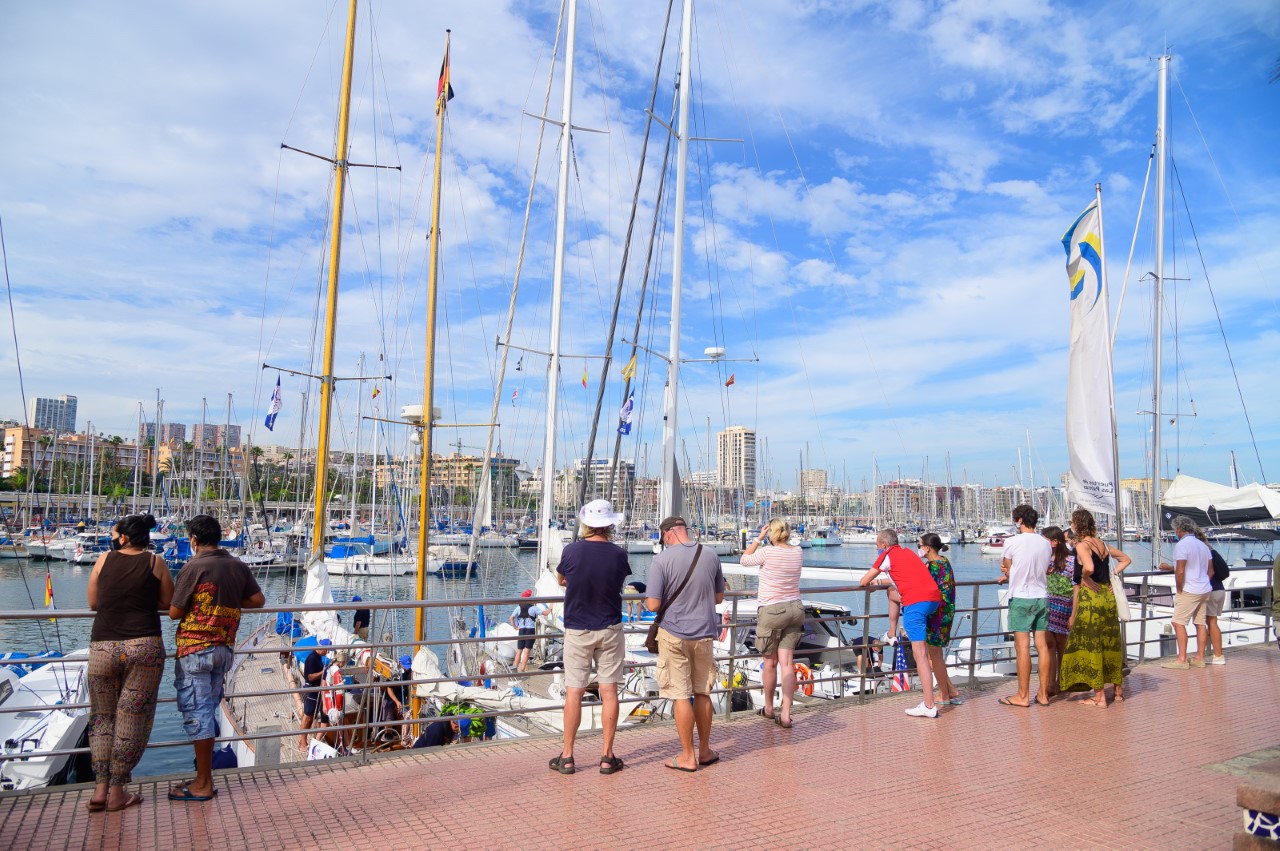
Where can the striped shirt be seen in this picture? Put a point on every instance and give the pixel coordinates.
(779, 572)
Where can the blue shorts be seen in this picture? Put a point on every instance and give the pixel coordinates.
(915, 618)
(198, 678)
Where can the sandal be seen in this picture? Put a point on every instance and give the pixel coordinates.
(786, 725)
(609, 764)
(766, 715)
(562, 764)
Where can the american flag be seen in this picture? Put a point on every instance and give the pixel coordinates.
(901, 676)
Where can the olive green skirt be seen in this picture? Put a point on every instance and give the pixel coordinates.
(1094, 655)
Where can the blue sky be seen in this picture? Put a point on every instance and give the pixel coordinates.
(885, 239)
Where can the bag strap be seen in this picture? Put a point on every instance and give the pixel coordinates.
(666, 604)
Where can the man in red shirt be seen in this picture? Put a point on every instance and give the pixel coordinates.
(920, 598)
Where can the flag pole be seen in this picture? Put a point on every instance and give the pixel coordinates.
(1111, 383)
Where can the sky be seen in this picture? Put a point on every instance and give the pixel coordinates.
(873, 236)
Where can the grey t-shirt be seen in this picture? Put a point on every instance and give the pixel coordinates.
(693, 614)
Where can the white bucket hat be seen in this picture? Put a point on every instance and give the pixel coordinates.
(599, 513)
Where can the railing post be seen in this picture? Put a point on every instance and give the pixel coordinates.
(733, 646)
(1142, 627)
(866, 647)
(973, 638)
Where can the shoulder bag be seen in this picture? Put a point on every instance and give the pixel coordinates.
(651, 639)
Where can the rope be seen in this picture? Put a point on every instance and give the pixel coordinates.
(1218, 315)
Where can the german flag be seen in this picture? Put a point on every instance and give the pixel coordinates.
(444, 89)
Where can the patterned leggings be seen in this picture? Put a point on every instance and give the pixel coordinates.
(124, 678)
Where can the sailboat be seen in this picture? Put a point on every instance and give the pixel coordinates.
(265, 661)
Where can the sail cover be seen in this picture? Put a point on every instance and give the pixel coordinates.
(1212, 504)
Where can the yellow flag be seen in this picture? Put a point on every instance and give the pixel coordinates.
(629, 371)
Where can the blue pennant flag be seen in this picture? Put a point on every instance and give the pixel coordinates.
(274, 409)
(624, 416)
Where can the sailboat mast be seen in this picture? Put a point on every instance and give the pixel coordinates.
(331, 302)
(1162, 98)
(668, 502)
(428, 366)
(546, 513)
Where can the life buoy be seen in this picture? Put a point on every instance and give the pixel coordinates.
(332, 698)
(804, 678)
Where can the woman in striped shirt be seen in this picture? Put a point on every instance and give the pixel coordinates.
(780, 615)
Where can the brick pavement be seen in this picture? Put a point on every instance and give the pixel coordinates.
(1158, 771)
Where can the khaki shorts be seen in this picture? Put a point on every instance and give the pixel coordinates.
(1191, 607)
(606, 647)
(1217, 602)
(779, 626)
(685, 666)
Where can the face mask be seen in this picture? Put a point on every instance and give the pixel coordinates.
(115, 544)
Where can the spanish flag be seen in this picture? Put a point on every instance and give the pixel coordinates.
(444, 89)
(629, 371)
(48, 591)
(729, 383)
(376, 391)
(584, 376)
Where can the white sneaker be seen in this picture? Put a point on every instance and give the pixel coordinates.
(1217, 660)
(923, 711)
(888, 639)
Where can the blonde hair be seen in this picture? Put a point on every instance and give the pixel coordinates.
(779, 532)
(585, 531)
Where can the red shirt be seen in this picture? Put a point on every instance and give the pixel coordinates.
(915, 583)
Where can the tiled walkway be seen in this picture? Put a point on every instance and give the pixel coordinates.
(1158, 771)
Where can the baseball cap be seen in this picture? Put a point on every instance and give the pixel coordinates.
(406, 661)
(671, 522)
(528, 592)
(324, 642)
(357, 599)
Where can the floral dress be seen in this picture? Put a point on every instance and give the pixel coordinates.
(939, 624)
(1061, 592)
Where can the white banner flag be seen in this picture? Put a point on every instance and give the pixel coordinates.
(1090, 442)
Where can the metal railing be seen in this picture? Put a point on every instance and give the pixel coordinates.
(869, 682)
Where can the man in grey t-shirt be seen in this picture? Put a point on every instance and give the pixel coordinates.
(686, 666)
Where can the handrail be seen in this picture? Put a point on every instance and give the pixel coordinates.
(869, 683)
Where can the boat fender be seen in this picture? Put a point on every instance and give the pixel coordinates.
(804, 678)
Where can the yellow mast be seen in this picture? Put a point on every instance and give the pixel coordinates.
(428, 388)
(331, 309)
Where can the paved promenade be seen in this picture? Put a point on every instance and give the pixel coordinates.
(1157, 771)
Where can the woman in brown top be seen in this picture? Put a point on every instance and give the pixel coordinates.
(128, 588)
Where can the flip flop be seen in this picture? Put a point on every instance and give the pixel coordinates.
(714, 759)
(1004, 701)
(186, 797)
(132, 800)
(95, 806)
(672, 764)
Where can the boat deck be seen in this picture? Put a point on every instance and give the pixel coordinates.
(1158, 771)
(264, 671)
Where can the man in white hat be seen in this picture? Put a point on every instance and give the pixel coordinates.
(592, 571)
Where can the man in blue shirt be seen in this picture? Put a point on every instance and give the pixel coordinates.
(592, 571)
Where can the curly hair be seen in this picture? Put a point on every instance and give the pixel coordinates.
(1083, 523)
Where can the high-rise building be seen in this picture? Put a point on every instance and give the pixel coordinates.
(169, 432)
(813, 480)
(736, 460)
(53, 414)
(210, 436)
